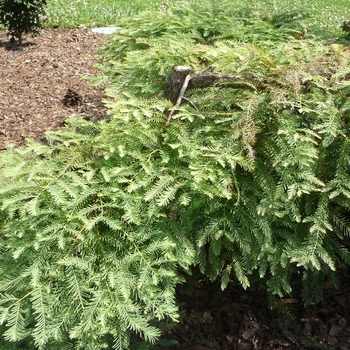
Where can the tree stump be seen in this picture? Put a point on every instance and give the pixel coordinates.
(175, 81)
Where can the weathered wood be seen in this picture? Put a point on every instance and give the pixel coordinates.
(174, 82)
(180, 97)
(183, 79)
(207, 79)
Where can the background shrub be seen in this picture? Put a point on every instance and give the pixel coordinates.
(21, 16)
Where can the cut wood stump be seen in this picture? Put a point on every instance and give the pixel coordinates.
(183, 78)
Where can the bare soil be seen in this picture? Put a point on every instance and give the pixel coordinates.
(41, 85)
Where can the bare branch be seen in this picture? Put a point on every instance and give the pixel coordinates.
(179, 99)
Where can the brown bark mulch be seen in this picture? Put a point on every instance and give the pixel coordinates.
(41, 83)
(235, 319)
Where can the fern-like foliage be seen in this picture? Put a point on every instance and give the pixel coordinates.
(77, 262)
(264, 171)
(97, 223)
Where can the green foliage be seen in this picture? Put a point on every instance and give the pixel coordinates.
(346, 27)
(21, 16)
(93, 13)
(97, 224)
(89, 13)
(267, 165)
(84, 260)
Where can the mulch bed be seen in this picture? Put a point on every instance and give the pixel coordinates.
(235, 319)
(41, 85)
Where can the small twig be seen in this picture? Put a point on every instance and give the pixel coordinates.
(263, 132)
(179, 99)
(190, 103)
(307, 122)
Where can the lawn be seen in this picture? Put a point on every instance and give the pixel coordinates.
(70, 14)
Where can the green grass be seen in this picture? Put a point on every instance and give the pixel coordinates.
(74, 13)
(323, 15)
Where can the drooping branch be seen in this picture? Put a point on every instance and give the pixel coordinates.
(183, 79)
(207, 78)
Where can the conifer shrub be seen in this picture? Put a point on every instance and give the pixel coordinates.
(21, 16)
(100, 224)
(346, 28)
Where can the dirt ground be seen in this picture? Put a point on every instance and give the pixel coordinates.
(41, 84)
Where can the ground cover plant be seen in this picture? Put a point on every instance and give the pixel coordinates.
(100, 224)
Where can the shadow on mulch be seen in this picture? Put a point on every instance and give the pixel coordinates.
(235, 319)
(15, 46)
